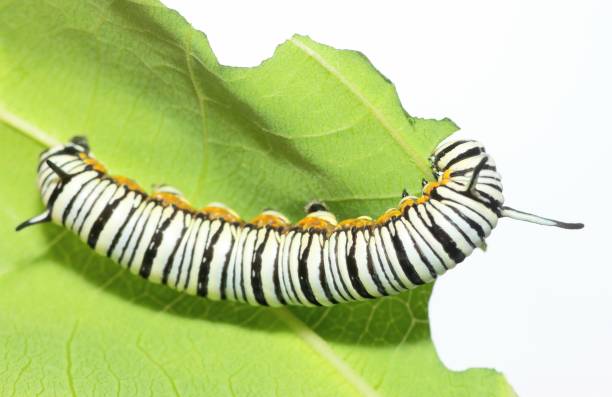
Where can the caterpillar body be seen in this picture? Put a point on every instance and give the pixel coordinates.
(316, 262)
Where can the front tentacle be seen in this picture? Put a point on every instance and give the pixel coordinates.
(531, 218)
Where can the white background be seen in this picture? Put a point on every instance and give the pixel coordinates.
(531, 80)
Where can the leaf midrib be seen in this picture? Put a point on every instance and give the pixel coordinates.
(396, 134)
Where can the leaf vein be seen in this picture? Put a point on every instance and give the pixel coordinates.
(69, 359)
(158, 365)
(320, 346)
(378, 115)
(200, 98)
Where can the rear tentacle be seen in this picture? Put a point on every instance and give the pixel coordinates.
(42, 218)
(527, 217)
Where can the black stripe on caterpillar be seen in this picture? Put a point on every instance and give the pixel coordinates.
(317, 261)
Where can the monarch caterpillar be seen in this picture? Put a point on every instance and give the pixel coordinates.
(318, 261)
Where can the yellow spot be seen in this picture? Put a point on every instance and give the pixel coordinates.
(430, 187)
(361, 222)
(215, 212)
(93, 163)
(389, 214)
(172, 199)
(445, 178)
(127, 182)
(312, 222)
(406, 202)
(409, 201)
(423, 199)
(262, 220)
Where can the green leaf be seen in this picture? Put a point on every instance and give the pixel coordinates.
(312, 122)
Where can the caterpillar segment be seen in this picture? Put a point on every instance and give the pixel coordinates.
(318, 261)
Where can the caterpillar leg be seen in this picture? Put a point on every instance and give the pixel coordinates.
(315, 206)
(81, 141)
(483, 246)
(527, 217)
(318, 217)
